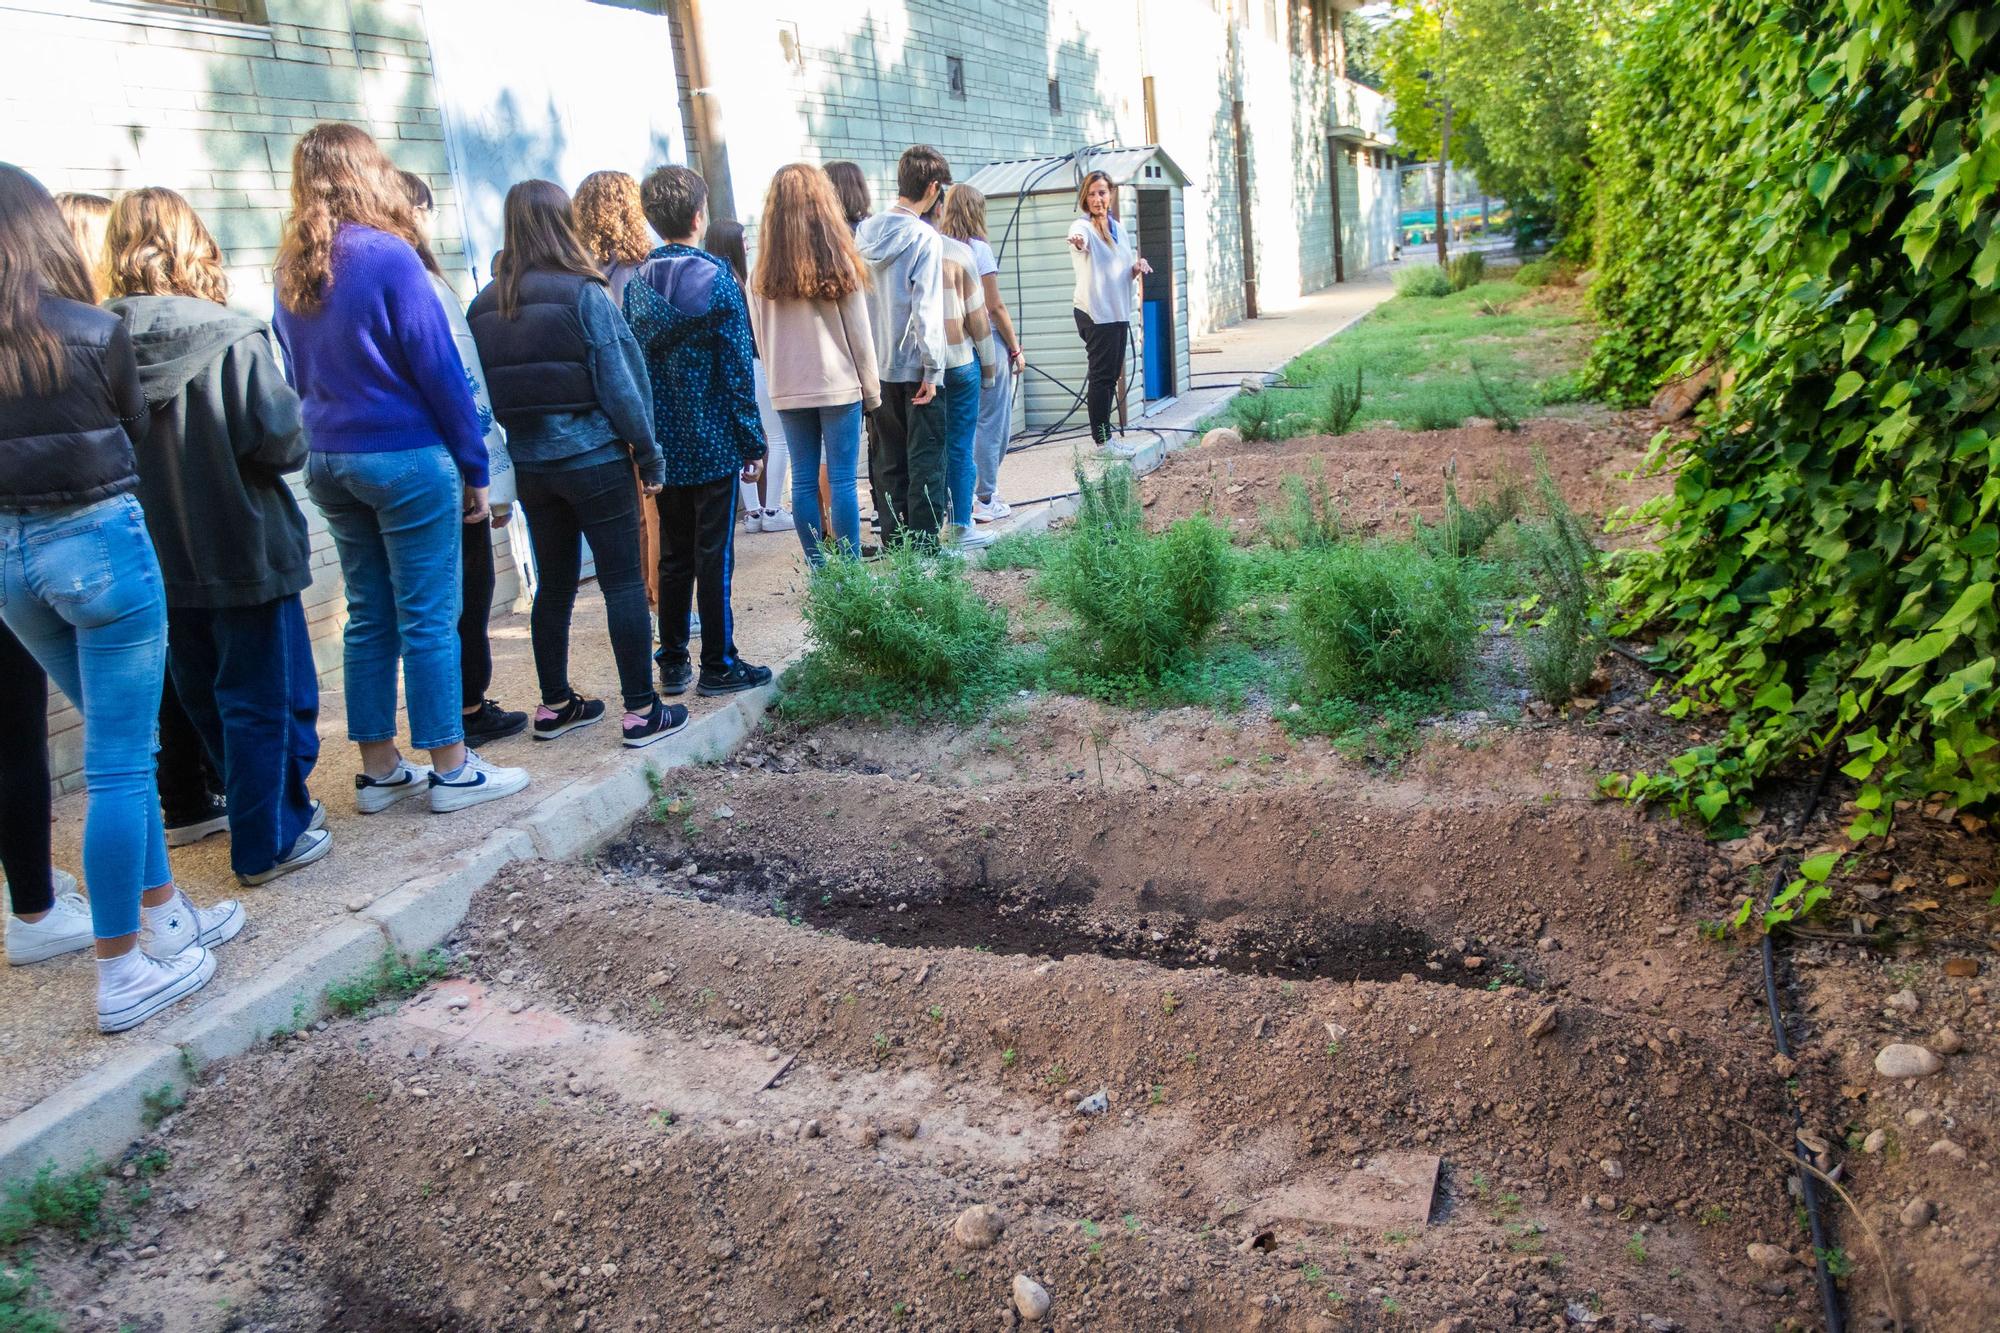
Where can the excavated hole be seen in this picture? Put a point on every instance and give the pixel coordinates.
(1060, 922)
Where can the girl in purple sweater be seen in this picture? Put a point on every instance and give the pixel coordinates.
(398, 461)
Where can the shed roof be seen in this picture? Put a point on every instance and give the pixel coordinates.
(1061, 175)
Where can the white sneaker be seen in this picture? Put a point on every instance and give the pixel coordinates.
(180, 925)
(967, 539)
(65, 929)
(998, 507)
(134, 987)
(374, 795)
(312, 845)
(776, 520)
(982, 512)
(476, 783)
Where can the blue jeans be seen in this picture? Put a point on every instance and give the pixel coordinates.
(395, 522)
(961, 426)
(80, 588)
(245, 675)
(996, 427)
(837, 431)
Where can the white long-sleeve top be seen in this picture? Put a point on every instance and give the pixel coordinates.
(1103, 272)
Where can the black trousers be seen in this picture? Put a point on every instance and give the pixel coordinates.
(24, 777)
(697, 561)
(595, 504)
(908, 462)
(1104, 346)
(187, 781)
(475, 649)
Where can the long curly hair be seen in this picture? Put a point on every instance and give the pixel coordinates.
(609, 220)
(38, 257)
(158, 246)
(805, 251)
(963, 215)
(339, 174)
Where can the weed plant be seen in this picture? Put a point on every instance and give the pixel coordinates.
(1343, 403)
(1498, 409)
(1256, 416)
(1568, 635)
(52, 1200)
(1541, 273)
(1464, 531)
(1466, 270)
(1306, 517)
(1372, 619)
(1019, 550)
(391, 978)
(1140, 602)
(1426, 281)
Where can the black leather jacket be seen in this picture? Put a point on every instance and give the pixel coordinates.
(71, 447)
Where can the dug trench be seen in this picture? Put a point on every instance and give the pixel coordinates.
(1284, 1056)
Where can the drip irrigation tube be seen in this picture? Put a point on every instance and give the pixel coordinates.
(1829, 1293)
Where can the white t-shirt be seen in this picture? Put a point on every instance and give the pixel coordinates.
(1103, 273)
(982, 255)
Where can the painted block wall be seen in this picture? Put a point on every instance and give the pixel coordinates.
(102, 99)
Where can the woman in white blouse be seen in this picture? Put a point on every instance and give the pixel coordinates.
(1106, 263)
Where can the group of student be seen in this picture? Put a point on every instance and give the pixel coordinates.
(623, 393)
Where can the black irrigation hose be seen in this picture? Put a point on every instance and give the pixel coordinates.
(1829, 1294)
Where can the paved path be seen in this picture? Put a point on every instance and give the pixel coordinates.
(48, 1035)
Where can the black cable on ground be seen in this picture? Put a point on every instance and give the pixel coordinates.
(1829, 1293)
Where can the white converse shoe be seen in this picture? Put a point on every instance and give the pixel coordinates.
(179, 925)
(776, 520)
(134, 987)
(65, 929)
(374, 795)
(475, 783)
(966, 538)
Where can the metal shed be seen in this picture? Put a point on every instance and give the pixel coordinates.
(1030, 204)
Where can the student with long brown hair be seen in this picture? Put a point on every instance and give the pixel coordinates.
(80, 588)
(221, 431)
(809, 310)
(851, 188)
(190, 786)
(398, 461)
(1105, 263)
(570, 386)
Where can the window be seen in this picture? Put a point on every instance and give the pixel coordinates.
(1055, 96)
(954, 76)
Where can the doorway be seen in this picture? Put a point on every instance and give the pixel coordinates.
(1156, 292)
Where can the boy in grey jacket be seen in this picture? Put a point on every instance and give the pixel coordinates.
(907, 438)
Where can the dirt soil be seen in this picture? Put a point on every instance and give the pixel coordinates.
(1380, 476)
(1227, 1030)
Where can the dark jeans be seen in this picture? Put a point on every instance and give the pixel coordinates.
(246, 674)
(186, 777)
(595, 504)
(475, 650)
(697, 561)
(1104, 348)
(24, 777)
(910, 458)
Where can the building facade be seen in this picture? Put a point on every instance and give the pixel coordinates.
(1288, 163)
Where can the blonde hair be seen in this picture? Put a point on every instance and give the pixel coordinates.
(85, 216)
(963, 216)
(158, 246)
(805, 250)
(339, 174)
(609, 219)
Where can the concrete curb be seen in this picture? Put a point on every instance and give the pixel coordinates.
(99, 1114)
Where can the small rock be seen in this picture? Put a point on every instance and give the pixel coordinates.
(1947, 1042)
(1190, 779)
(721, 1249)
(459, 1002)
(1455, 1324)
(978, 1227)
(1097, 1103)
(150, 1252)
(1770, 1258)
(1946, 1148)
(1917, 1117)
(1961, 967)
(1579, 1313)
(1904, 1001)
(358, 903)
(867, 1136)
(1877, 1140)
(1222, 437)
(1030, 1297)
(1612, 1168)
(1544, 1023)
(1473, 962)
(1653, 1323)
(812, 1129)
(904, 1126)
(724, 812)
(1902, 1060)
(1917, 1212)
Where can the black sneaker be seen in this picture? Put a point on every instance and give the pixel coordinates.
(675, 677)
(492, 723)
(657, 723)
(185, 827)
(578, 712)
(739, 677)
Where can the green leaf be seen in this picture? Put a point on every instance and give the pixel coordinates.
(1970, 603)
(1845, 388)
(1824, 177)
(1817, 868)
(1964, 35)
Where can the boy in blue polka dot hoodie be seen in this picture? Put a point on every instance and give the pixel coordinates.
(688, 313)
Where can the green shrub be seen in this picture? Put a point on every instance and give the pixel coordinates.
(1565, 388)
(1382, 617)
(1423, 280)
(1466, 270)
(1435, 407)
(70, 1201)
(21, 1306)
(916, 623)
(1019, 550)
(1343, 403)
(1498, 409)
(1140, 601)
(1542, 272)
(1463, 532)
(391, 978)
(1307, 517)
(1565, 641)
(1257, 416)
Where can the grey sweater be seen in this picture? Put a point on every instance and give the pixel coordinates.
(906, 303)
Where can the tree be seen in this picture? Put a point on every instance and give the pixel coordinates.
(1414, 51)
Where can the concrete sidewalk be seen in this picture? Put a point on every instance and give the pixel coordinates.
(403, 877)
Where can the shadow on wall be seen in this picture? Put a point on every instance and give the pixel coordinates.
(1225, 278)
(1312, 193)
